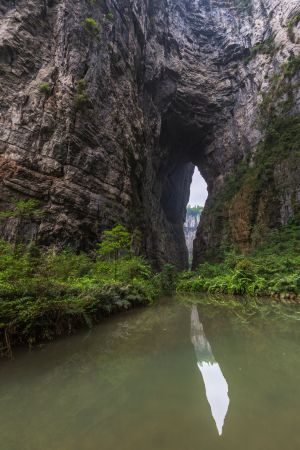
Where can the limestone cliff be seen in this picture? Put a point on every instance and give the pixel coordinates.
(106, 105)
(261, 190)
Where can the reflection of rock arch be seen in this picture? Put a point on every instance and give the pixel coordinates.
(216, 386)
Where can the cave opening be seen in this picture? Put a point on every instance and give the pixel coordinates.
(186, 171)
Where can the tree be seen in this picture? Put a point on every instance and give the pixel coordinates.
(114, 242)
(22, 209)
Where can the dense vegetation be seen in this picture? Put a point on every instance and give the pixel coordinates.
(273, 269)
(48, 293)
(45, 293)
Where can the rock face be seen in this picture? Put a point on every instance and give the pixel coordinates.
(106, 106)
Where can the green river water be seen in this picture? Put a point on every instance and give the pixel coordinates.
(174, 376)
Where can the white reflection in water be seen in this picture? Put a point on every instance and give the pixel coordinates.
(216, 386)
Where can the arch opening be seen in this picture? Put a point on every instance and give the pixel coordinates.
(185, 142)
(197, 198)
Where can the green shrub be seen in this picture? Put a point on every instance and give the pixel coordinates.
(271, 269)
(114, 243)
(293, 22)
(81, 97)
(45, 88)
(109, 16)
(195, 284)
(22, 210)
(266, 47)
(91, 26)
(45, 293)
(167, 279)
(81, 100)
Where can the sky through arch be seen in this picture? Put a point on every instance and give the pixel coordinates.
(198, 190)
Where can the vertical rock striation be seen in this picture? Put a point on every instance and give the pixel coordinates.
(260, 187)
(102, 120)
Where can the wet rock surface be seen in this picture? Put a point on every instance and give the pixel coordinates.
(102, 121)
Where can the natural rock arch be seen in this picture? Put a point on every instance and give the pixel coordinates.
(129, 108)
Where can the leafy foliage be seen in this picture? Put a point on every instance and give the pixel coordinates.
(167, 279)
(81, 97)
(266, 47)
(91, 26)
(293, 22)
(24, 208)
(109, 16)
(115, 241)
(45, 88)
(272, 269)
(45, 293)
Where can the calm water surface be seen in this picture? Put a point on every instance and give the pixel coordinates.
(169, 377)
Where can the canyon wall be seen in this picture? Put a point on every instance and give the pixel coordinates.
(107, 105)
(259, 189)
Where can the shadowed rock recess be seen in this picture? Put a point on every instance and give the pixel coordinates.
(106, 105)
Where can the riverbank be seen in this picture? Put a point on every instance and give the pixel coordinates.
(271, 269)
(45, 294)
